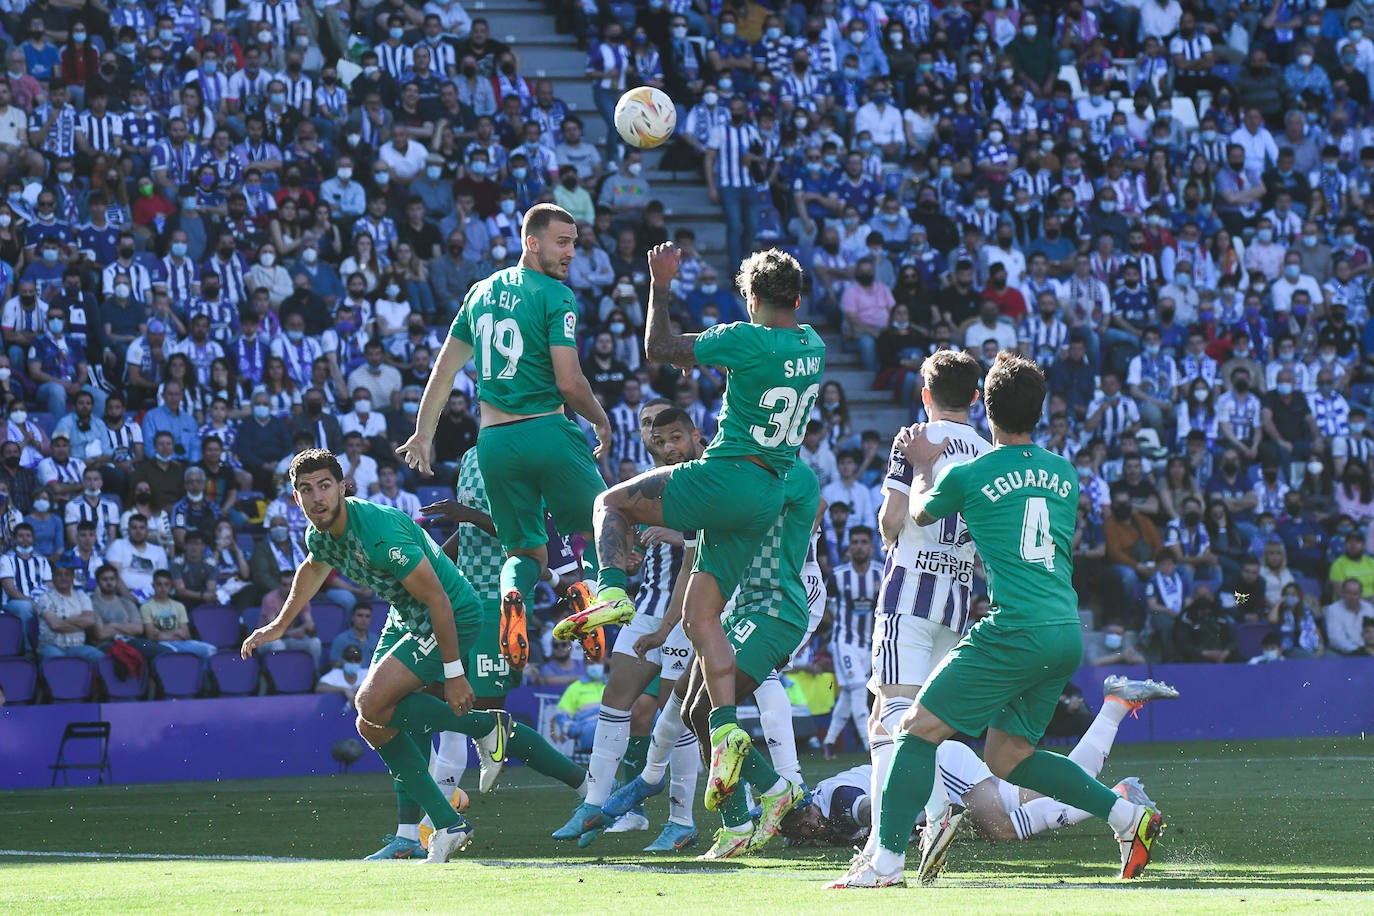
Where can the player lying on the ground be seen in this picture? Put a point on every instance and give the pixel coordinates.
(733, 495)
(519, 326)
(433, 624)
(839, 810)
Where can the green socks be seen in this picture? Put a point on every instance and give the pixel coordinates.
(520, 573)
(905, 792)
(423, 713)
(411, 770)
(529, 747)
(610, 577)
(636, 753)
(1063, 780)
(721, 721)
(735, 811)
(408, 811)
(590, 566)
(758, 772)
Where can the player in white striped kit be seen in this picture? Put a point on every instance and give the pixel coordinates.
(927, 582)
(853, 591)
(672, 438)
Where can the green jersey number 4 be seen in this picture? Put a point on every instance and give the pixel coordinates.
(504, 337)
(1037, 545)
(790, 414)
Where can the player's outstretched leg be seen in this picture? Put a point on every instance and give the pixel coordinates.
(405, 842)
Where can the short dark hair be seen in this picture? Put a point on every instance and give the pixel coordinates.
(87, 525)
(860, 529)
(1014, 392)
(672, 416)
(162, 574)
(106, 568)
(538, 217)
(312, 460)
(952, 378)
(773, 276)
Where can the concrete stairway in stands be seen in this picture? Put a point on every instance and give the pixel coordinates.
(529, 28)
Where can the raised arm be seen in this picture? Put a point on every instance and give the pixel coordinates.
(661, 345)
(308, 581)
(418, 449)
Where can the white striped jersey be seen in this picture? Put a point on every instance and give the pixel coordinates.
(408, 503)
(838, 798)
(1242, 413)
(31, 574)
(629, 446)
(662, 565)
(929, 572)
(855, 595)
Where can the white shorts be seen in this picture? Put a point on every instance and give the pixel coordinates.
(853, 665)
(906, 649)
(814, 584)
(672, 657)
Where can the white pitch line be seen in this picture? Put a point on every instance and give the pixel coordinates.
(152, 856)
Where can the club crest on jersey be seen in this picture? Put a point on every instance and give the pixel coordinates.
(397, 556)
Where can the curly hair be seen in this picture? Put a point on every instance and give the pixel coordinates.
(773, 276)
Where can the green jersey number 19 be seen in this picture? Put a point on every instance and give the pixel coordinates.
(504, 337)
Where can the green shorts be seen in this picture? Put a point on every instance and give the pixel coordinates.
(652, 689)
(1004, 678)
(762, 644)
(733, 503)
(533, 465)
(488, 671)
(422, 656)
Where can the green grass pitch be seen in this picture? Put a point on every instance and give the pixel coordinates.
(1268, 827)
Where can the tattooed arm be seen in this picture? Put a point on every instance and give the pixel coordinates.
(661, 345)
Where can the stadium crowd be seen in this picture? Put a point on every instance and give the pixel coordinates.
(231, 232)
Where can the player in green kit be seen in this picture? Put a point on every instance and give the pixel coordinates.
(434, 622)
(735, 493)
(519, 326)
(1020, 503)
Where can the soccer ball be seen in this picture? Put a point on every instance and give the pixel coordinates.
(645, 117)
(459, 800)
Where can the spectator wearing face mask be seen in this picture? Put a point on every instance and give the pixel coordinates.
(24, 574)
(346, 678)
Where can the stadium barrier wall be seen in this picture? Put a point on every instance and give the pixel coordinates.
(259, 737)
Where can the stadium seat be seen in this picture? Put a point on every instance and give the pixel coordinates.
(1310, 587)
(68, 679)
(1185, 113)
(246, 542)
(216, 624)
(430, 495)
(130, 688)
(330, 620)
(234, 675)
(11, 635)
(178, 673)
(46, 422)
(1248, 638)
(19, 678)
(291, 671)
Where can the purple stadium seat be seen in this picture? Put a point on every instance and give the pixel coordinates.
(1249, 636)
(290, 672)
(11, 635)
(216, 624)
(329, 620)
(18, 677)
(235, 676)
(132, 688)
(429, 495)
(178, 673)
(68, 679)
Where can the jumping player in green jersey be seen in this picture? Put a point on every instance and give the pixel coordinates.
(1020, 503)
(733, 494)
(519, 326)
(434, 619)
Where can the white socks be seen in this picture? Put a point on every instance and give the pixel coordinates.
(408, 831)
(1096, 744)
(667, 730)
(448, 764)
(608, 748)
(686, 764)
(1041, 814)
(775, 717)
(880, 751)
(1123, 817)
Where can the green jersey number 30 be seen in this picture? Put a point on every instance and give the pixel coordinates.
(790, 414)
(1037, 545)
(504, 337)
